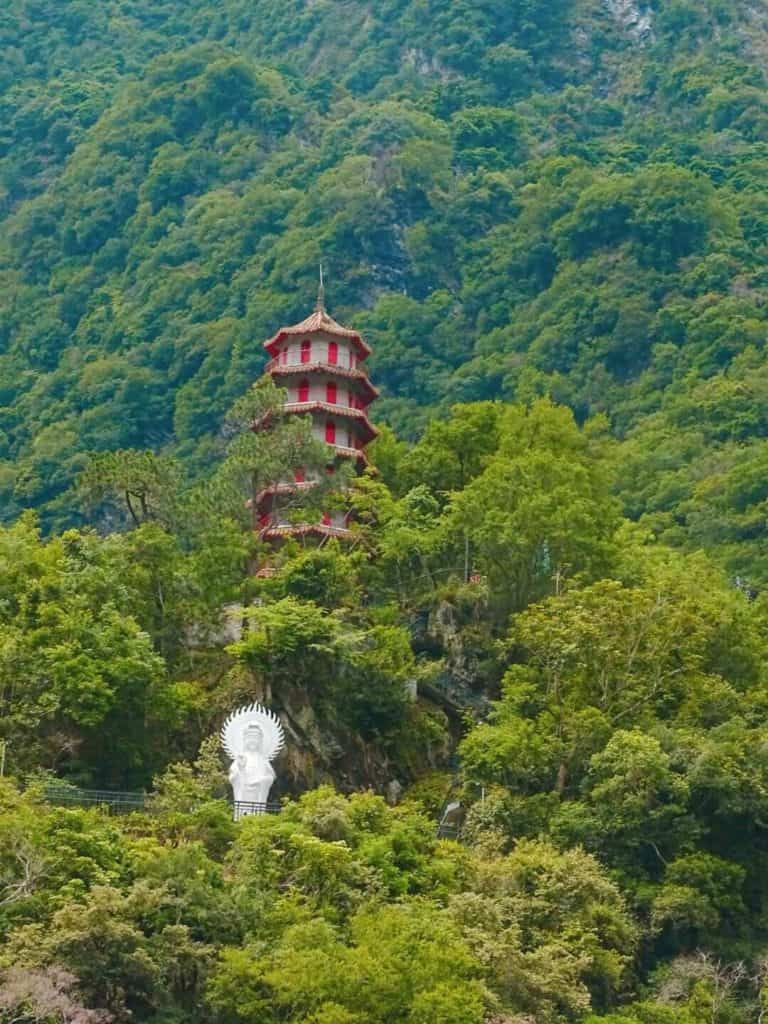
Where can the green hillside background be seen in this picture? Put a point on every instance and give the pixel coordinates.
(511, 200)
(549, 218)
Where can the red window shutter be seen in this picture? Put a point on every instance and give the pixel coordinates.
(304, 391)
(326, 519)
(330, 393)
(306, 351)
(330, 432)
(264, 520)
(333, 352)
(298, 476)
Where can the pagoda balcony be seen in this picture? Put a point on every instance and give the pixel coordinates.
(345, 452)
(334, 409)
(320, 365)
(278, 369)
(305, 530)
(291, 487)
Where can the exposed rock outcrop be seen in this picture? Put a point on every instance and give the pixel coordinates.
(635, 18)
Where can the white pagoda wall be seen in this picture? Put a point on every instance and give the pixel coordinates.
(346, 356)
(318, 392)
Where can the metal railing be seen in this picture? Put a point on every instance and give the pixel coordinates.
(333, 408)
(113, 800)
(353, 372)
(121, 802)
(447, 831)
(243, 809)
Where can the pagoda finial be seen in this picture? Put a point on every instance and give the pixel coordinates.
(320, 307)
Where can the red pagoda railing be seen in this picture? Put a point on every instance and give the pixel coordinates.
(334, 408)
(322, 367)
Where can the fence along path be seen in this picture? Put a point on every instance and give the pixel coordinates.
(120, 802)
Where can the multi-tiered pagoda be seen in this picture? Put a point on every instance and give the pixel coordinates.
(321, 366)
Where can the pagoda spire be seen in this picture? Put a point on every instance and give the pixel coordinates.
(320, 304)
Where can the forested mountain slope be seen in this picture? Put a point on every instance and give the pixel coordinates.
(511, 200)
(549, 218)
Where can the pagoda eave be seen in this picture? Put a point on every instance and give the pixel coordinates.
(332, 409)
(290, 488)
(319, 321)
(350, 453)
(277, 369)
(305, 530)
(306, 408)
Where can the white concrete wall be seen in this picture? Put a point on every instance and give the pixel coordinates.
(318, 389)
(344, 436)
(319, 353)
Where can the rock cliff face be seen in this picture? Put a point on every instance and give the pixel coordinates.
(635, 18)
(460, 679)
(453, 639)
(318, 751)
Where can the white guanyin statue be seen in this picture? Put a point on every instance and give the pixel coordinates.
(253, 737)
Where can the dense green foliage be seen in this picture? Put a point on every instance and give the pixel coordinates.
(612, 858)
(549, 219)
(340, 910)
(512, 200)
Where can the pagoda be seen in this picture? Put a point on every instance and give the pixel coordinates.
(321, 366)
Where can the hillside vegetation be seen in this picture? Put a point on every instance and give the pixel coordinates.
(611, 864)
(550, 221)
(512, 200)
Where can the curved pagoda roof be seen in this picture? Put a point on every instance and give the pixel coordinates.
(318, 321)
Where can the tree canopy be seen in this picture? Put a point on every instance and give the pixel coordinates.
(526, 703)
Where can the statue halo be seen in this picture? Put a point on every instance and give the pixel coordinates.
(233, 730)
